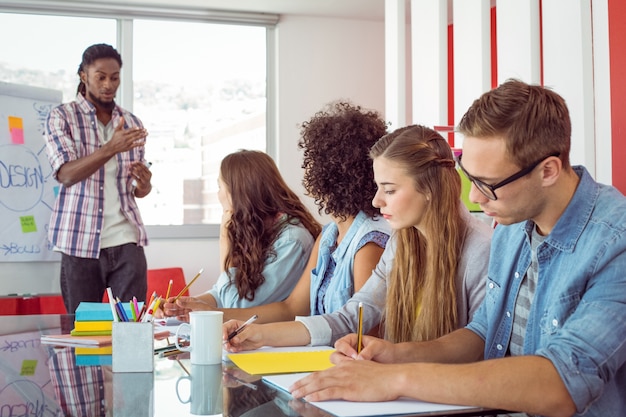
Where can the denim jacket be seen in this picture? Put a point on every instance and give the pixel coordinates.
(341, 286)
(578, 316)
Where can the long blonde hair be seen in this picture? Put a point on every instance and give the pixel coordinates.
(421, 292)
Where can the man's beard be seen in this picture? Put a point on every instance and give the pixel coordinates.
(106, 105)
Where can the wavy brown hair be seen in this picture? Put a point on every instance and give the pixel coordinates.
(337, 170)
(421, 292)
(262, 206)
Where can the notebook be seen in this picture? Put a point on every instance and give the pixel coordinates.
(360, 409)
(266, 360)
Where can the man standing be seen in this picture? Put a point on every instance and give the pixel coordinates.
(550, 336)
(96, 150)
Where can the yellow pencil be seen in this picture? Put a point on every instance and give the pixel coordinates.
(169, 287)
(359, 340)
(188, 285)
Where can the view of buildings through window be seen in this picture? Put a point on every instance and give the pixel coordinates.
(199, 88)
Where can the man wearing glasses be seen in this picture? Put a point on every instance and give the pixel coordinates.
(550, 336)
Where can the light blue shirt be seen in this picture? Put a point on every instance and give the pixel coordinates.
(292, 248)
(578, 316)
(341, 286)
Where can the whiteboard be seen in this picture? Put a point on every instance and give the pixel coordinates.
(27, 189)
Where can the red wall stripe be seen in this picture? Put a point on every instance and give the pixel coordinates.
(494, 50)
(451, 121)
(617, 53)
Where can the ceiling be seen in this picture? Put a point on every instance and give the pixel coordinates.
(359, 9)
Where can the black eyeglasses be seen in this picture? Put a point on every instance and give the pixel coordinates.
(490, 190)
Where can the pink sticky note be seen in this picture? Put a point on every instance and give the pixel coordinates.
(17, 136)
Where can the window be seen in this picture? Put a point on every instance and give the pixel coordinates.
(200, 92)
(198, 86)
(50, 57)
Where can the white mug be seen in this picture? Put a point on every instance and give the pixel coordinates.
(205, 339)
(206, 393)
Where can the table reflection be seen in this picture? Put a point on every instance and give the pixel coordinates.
(43, 381)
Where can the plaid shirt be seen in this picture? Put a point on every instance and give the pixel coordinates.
(71, 132)
(81, 391)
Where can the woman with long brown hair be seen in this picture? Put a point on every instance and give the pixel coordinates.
(431, 277)
(266, 234)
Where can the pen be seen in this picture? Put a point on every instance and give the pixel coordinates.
(243, 326)
(150, 311)
(112, 304)
(359, 340)
(188, 285)
(170, 353)
(164, 348)
(148, 165)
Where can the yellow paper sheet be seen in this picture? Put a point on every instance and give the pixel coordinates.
(266, 363)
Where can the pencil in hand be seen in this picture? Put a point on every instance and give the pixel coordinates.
(187, 286)
(359, 340)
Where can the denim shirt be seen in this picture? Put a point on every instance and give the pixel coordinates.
(341, 285)
(282, 271)
(578, 317)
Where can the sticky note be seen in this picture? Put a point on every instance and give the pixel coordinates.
(16, 130)
(28, 224)
(28, 367)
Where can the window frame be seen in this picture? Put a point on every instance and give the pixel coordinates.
(125, 14)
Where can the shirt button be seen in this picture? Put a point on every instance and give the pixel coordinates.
(508, 314)
(491, 285)
(499, 346)
(516, 274)
(555, 322)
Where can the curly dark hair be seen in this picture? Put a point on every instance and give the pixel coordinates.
(338, 171)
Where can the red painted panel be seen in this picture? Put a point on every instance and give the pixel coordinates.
(494, 50)
(451, 121)
(617, 48)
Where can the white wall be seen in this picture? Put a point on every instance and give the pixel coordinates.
(319, 60)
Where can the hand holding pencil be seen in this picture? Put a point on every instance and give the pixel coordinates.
(375, 349)
(176, 306)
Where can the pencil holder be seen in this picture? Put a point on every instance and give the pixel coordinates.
(133, 347)
(133, 394)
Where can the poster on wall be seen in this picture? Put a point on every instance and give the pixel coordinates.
(27, 188)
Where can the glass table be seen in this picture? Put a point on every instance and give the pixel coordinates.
(43, 380)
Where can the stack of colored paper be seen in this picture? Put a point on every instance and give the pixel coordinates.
(94, 319)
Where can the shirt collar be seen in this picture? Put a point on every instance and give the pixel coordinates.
(572, 222)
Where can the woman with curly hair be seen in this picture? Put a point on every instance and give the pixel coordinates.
(266, 235)
(338, 175)
(431, 278)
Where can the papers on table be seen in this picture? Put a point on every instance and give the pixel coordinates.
(361, 409)
(169, 324)
(81, 341)
(266, 361)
